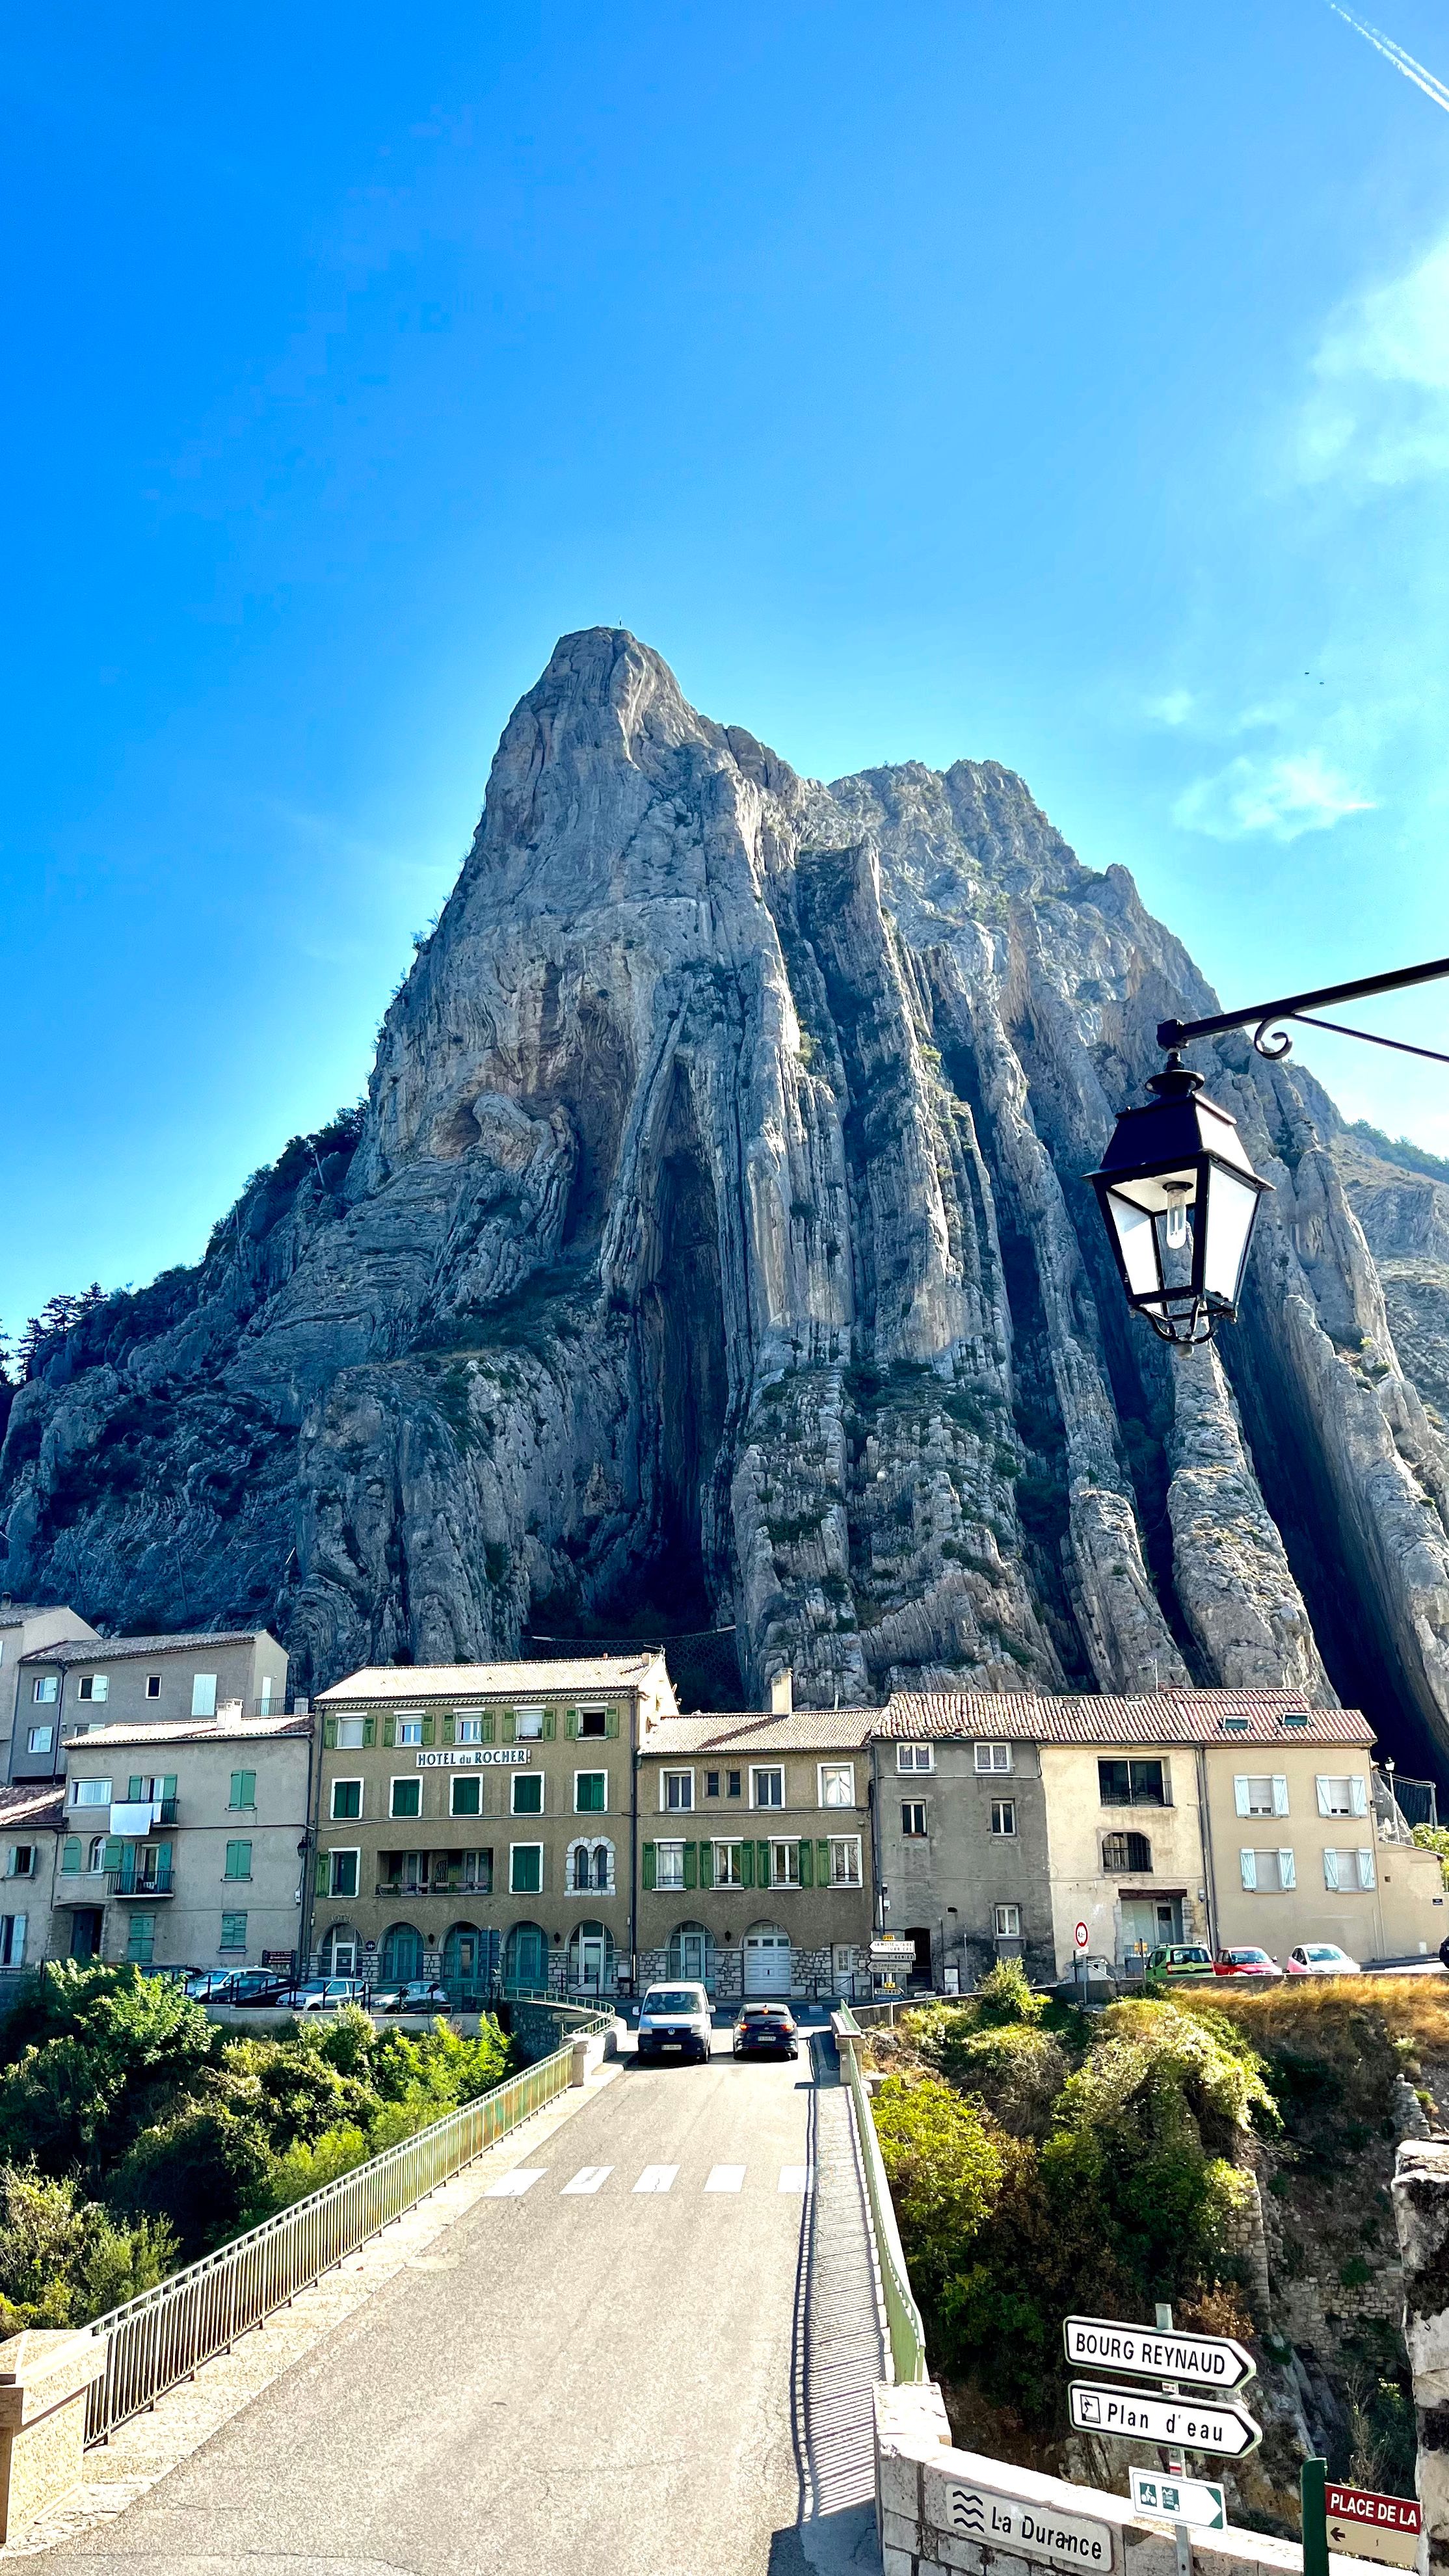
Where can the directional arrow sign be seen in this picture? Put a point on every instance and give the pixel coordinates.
(1364, 2525)
(1192, 2423)
(1149, 2352)
(1169, 2499)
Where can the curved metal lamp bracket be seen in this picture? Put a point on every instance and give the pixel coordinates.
(1274, 1047)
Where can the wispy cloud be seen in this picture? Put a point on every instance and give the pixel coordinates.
(1378, 412)
(1282, 798)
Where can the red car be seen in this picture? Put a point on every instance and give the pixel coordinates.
(1245, 1963)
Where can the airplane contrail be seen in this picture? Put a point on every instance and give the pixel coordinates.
(1395, 54)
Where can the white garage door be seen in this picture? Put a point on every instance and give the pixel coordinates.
(767, 1961)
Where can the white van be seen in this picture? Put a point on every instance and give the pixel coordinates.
(675, 2017)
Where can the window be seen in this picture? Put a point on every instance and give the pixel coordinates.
(203, 1694)
(1126, 1852)
(468, 1730)
(140, 1940)
(1003, 1815)
(346, 1798)
(244, 1790)
(20, 1861)
(407, 1798)
(784, 1864)
(1343, 1797)
(342, 1873)
(467, 1797)
(590, 1792)
(527, 1793)
(991, 1757)
(729, 1868)
(922, 1757)
(1261, 1794)
(233, 1932)
(351, 1734)
(47, 1688)
(41, 1739)
(678, 1792)
(593, 1721)
(525, 1869)
(238, 1860)
(478, 1873)
(13, 1928)
(90, 1793)
(845, 1860)
(96, 1856)
(711, 1784)
(96, 1686)
(669, 1864)
(767, 1788)
(1267, 1872)
(153, 1685)
(528, 1725)
(1006, 1922)
(913, 1819)
(1348, 1871)
(734, 1784)
(1132, 1784)
(410, 1730)
(837, 1784)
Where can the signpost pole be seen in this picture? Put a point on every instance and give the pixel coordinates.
(1181, 2532)
(1315, 2518)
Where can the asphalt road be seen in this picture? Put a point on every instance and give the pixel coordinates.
(583, 2374)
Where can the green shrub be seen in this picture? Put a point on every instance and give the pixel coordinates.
(945, 2167)
(63, 2259)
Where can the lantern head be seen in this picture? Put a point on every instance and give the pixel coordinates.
(1180, 1199)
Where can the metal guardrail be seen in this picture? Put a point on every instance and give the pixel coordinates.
(906, 2333)
(163, 2337)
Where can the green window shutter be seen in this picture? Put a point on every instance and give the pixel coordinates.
(163, 1856)
(135, 1789)
(762, 1864)
(571, 1721)
(70, 1855)
(329, 1731)
(509, 1729)
(369, 1730)
(611, 1722)
(449, 1727)
(822, 1861)
(649, 1866)
(319, 1875)
(706, 1864)
(807, 1863)
(389, 1730)
(550, 1723)
(113, 1852)
(747, 1864)
(486, 1730)
(691, 1864)
(430, 1726)
(168, 1784)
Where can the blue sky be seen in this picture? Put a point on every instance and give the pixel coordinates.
(1065, 386)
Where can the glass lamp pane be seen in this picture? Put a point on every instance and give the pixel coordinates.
(1232, 1205)
(1137, 1243)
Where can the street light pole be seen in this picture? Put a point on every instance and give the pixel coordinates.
(1296, 1006)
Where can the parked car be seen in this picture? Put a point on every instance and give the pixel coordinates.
(765, 2026)
(320, 1994)
(260, 1986)
(675, 2018)
(1245, 1963)
(1180, 1959)
(1321, 1959)
(422, 1995)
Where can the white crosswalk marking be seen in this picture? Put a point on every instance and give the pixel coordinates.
(725, 2178)
(656, 2178)
(794, 2178)
(588, 2178)
(512, 2186)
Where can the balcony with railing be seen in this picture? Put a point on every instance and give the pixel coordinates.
(440, 1883)
(156, 1881)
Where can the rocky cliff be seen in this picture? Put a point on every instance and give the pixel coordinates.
(712, 1249)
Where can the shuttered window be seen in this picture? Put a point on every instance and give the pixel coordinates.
(1260, 1794)
(243, 1789)
(238, 1860)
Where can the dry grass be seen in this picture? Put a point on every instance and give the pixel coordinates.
(1317, 2012)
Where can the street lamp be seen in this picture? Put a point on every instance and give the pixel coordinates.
(1176, 1189)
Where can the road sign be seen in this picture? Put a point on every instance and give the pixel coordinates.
(1027, 2530)
(1152, 2352)
(1080, 1936)
(1194, 2500)
(1191, 2423)
(1364, 2525)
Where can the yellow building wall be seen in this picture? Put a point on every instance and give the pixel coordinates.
(1402, 1915)
(1082, 1890)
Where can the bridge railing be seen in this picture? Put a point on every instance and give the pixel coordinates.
(164, 2336)
(906, 2333)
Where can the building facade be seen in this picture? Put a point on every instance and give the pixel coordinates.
(1310, 1847)
(26, 1627)
(962, 1846)
(80, 1681)
(755, 1853)
(183, 1844)
(478, 1822)
(31, 1821)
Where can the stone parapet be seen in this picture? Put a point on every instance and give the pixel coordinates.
(43, 2383)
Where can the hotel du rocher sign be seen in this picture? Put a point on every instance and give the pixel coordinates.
(472, 1757)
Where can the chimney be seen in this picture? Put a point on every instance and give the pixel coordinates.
(782, 1694)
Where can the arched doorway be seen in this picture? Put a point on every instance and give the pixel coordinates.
(525, 1959)
(591, 1958)
(767, 1960)
(463, 1955)
(402, 1954)
(689, 1952)
(340, 1952)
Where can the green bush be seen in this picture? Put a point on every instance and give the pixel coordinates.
(63, 2259)
(945, 2167)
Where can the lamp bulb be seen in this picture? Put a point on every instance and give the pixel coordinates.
(1176, 1228)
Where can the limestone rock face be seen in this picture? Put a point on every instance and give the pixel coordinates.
(712, 1249)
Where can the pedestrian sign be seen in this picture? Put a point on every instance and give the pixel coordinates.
(1193, 2500)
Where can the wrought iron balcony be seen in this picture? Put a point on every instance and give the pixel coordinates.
(131, 1882)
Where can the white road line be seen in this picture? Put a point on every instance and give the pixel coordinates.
(794, 2178)
(512, 2186)
(588, 2178)
(725, 2178)
(656, 2178)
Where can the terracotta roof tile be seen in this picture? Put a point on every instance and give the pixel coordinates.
(1152, 1717)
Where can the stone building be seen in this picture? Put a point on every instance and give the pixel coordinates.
(69, 1683)
(478, 1821)
(25, 1627)
(962, 1846)
(755, 1852)
(31, 1819)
